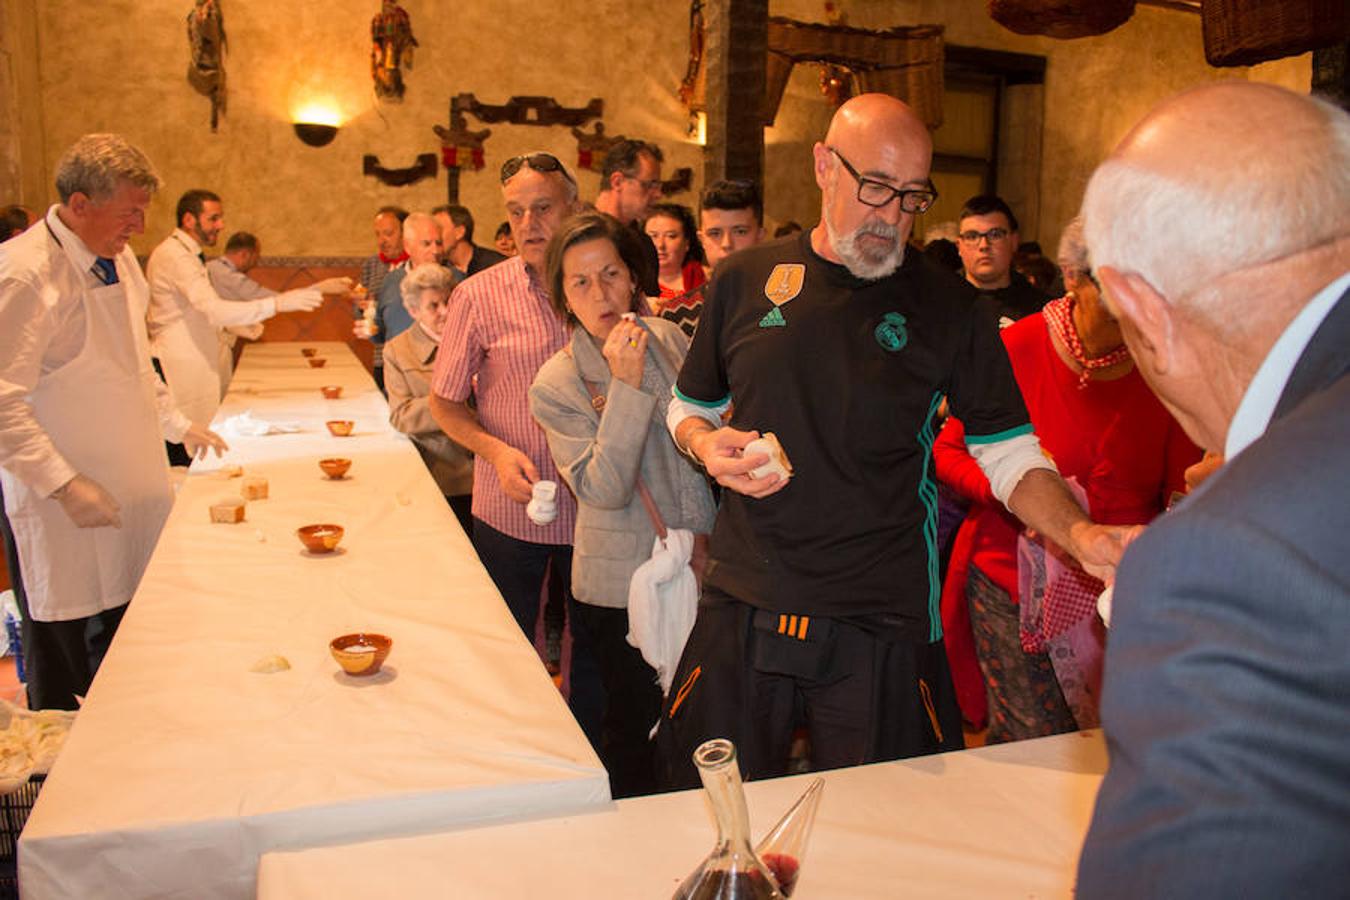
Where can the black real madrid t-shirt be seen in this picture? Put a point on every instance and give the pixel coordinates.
(848, 374)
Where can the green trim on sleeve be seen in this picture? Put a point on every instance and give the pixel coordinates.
(1006, 434)
(708, 404)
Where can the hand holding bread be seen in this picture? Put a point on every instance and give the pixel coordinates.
(739, 463)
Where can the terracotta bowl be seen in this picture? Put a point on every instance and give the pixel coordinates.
(332, 391)
(308, 351)
(335, 467)
(340, 427)
(360, 662)
(317, 362)
(320, 538)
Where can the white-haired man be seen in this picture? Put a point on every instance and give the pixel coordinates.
(822, 590)
(1220, 231)
(501, 329)
(422, 244)
(82, 415)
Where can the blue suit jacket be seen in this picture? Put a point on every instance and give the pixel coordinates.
(1226, 696)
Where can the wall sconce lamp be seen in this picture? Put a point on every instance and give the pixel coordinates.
(315, 134)
(316, 122)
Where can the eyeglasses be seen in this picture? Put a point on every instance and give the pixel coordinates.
(648, 186)
(872, 192)
(973, 238)
(540, 162)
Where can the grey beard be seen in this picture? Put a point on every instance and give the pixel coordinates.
(864, 265)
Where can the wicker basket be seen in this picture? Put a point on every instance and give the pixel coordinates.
(1246, 32)
(905, 62)
(1061, 18)
(14, 810)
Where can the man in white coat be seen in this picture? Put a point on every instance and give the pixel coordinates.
(188, 318)
(82, 414)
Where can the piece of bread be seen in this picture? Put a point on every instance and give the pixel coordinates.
(270, 665)
(229, 510)
(254, 488)
(778, 459)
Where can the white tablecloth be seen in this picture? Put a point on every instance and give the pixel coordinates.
(1002, 821)
(184, 766)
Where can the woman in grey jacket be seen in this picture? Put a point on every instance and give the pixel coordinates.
(601, 446)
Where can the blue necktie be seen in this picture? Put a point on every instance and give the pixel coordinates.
(105, 270)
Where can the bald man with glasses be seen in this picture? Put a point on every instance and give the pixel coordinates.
(821, 591)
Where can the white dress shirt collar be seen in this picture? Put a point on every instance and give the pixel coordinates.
(1263, 394)
(188, 241)
(79, 252)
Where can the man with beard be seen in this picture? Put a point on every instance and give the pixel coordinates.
(187, 318)
(821, 590)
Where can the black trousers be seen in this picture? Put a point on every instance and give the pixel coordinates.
(59, 658)
(632, 702)
(863, 696)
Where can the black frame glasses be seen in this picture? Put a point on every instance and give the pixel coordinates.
(972, 238)
(877, 194)
(539, 161)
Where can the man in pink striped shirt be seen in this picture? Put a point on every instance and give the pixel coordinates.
(501, 329)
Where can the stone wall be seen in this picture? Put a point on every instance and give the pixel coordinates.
(73, 67)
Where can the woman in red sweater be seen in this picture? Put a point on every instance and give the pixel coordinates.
(1103, 428)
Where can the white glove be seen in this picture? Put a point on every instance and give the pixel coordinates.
(299, 301)
(340, 285)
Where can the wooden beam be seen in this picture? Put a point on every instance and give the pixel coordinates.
(736, 50)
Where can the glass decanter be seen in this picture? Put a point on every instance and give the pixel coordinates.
(783, 849)
(732, 871)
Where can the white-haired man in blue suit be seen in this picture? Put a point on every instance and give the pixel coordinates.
(1220, 231)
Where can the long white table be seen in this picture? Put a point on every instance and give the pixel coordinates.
(184, 766)
(1005, 821)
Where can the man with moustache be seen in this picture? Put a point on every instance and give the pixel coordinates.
(821, 590)
(82, 416)
(501, 329)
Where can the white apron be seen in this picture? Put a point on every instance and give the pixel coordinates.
(197, 364)
(99, 410)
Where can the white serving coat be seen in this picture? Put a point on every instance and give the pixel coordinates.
(186, 321)
(102, 413)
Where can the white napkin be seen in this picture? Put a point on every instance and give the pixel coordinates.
(248, 425)
(663, 603)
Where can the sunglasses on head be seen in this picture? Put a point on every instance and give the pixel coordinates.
(540, 162)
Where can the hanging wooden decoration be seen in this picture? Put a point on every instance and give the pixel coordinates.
(206, 43)
(460, 147)
(531, 111)
(425, 167)
(392, 44)
(592, 147)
